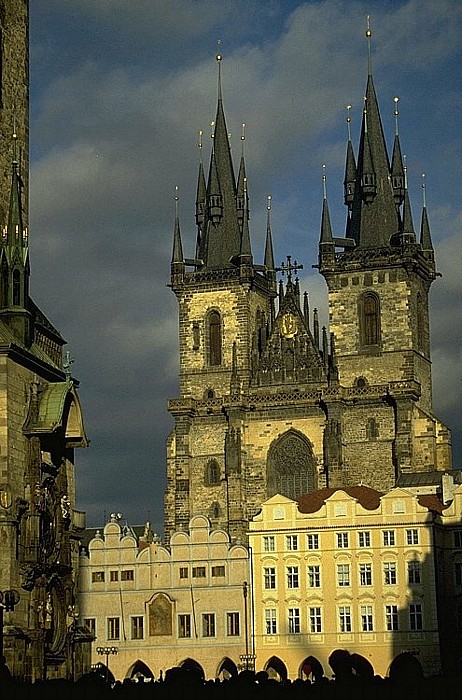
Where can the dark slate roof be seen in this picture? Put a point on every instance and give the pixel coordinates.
(431, 478)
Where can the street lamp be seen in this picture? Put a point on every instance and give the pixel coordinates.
(107, 651)
(247, 660)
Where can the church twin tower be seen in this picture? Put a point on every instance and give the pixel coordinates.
(267, 402)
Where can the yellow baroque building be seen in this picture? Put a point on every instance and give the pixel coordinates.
(376, 574)
(157, 607)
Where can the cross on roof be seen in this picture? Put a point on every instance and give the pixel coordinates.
(289, 267)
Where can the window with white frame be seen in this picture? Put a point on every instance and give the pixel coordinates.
(344, 618)
(342, 540)
(391, 618)
(184, 573)
(232, 624)
(314, 576)
(389, 573)
(292, 542)
(292, 577)
(184, 626)
(90, 624)
(137, 627)
(365, 574)
(388, 538)
(414, 572)
(208, 624)
(367, 620)
(269, 577)
(315, 620)
(270, 621)
(294, 620)
(268, 543)
(343, 575)
(113, 628)
(412, 536)
(364, 538)
(415, 616)
(312, 541)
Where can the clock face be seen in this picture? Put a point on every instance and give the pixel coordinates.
(288, 325)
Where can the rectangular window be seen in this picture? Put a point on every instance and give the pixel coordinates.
(270, 621)
(415, 616)
(391, 618)
(458, 539)
(113, 576)
(458, 573)
(184, 626)
(184, 573)
(389, 573)
(113, 628)
(414, 572)
(343, 575)
(364, 538)
(208, 625)
(269, 577)
(365, 574)
(388, 538)
(342, 540)
(294, 621)
(90, 624)
(315, 620)
(314, 576)
(312, 541)
(367, 622)
(268, 543)
(292, 577)
(344, 618)
(127, 575)
(218, 571)
(198, 572)
(292, 542)
(412, 536)
(232, 624)
(137, 627)
(97, 577)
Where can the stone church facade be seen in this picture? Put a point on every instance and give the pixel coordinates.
(40, 418)
(268, 401)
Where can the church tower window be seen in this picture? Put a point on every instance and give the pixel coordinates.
(214, 349)
(370, 319)
(212, 473)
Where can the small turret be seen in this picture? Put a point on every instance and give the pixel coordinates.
(397, 168)
(177, 264)
(349, 182)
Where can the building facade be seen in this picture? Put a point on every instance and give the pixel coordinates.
(185, 604)
(376, 574)
(269, 402)
(41, 418)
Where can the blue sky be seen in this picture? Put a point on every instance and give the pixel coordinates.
(118, 93)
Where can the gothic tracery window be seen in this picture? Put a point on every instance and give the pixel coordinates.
(291, 467)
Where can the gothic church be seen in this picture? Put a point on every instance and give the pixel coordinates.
(269, 402)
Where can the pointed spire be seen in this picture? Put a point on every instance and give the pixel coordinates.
(397, 168)
(240, 195)
(201, 192)
(425, 236)
(306, 309)
(408, 234)
(326, 229)
(374, 216)
(269, 253)
(316, 328)
(177, 253)
(349, 182)
(246, 251)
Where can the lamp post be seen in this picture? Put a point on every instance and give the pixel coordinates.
(247, 660)
(8, 600)
(107, 651)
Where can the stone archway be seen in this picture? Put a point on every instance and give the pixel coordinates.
(291, 466)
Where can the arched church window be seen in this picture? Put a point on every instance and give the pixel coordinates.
(214, 328)
(372, 429)
(16, 288)
(291, 466)
(370, 319)
(212, 473)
